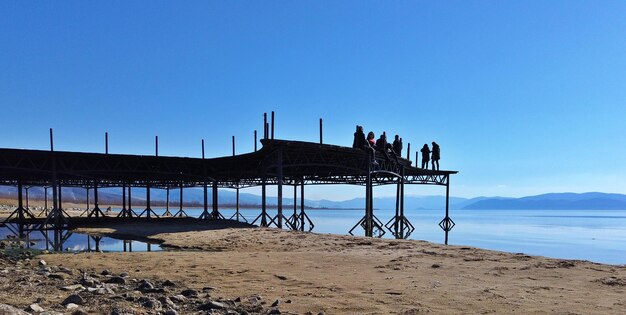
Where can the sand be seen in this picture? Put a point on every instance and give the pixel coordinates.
(356, 275)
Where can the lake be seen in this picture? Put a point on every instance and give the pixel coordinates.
(595, 235)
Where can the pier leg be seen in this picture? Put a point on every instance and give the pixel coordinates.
(237, 204)
(302, 213)
(180, 212)
(20, 213)
(368, 206)
(447, 224)
(167, 202)
(96, 209)
(263, 204)
(402, 217)
(280, 183)
(215, 214)
(205, 212)
(148, 211)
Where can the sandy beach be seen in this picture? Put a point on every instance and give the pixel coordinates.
(335, 274)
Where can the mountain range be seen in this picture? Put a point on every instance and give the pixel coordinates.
(195, 196)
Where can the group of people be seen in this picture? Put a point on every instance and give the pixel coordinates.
(393, 150)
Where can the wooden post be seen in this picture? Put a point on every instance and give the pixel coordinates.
(272, 125)
(280, 187)
(321, 131)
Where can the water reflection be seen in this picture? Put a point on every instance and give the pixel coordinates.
(25, 236)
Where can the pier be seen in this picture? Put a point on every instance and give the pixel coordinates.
(281, 163)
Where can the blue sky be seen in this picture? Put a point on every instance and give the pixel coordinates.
(525, 97)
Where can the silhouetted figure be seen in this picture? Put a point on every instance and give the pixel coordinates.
(435, 156)
(361, 143)
(385, 147)
(397, 145)
(370, 139)
(425, 155)
(359, 138)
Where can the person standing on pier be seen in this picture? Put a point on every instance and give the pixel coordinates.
(361, 143)
(425, 155)
(397, 145)
(435, 156)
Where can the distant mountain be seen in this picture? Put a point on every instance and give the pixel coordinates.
(195, 197)
(553, 201)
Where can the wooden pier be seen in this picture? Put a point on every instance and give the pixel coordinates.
(278, 162)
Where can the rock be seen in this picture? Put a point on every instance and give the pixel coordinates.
(79, 312)
(73, 298)
(166, 301)
(189, 293)
(35, 308)
(116, 280)
(212, 305)
(10, 310)
(435, 266)
(90, 282)
(168, 283)
(273, 310)
(71, 306)
(145, 286)
(281, 277)
(73, 287)
(105, 272)
(178, 298)
(170, 312)
(43, 263)
(150, 303)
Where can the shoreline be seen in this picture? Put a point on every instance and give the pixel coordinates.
(337, 274)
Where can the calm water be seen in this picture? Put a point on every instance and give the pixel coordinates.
(593, 235)
(72, 242)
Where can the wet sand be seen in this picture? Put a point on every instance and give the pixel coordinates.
(356, 275)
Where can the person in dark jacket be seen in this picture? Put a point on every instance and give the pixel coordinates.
(435, 156)
(397, 145)
(359, 138)
(425, 155)
(385, 147)
(361, 143)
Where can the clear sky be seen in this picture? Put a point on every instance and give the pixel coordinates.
(524, 97)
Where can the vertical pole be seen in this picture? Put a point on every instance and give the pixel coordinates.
(180, 200)
(45, 199)
(106, 143)
(51, 141)
(368, 204)
(87, 197)
(272, 125)
(255, 141)
(237, 204)
(205, 211)
(402, 203)
(397, 217)
(96, 209)
(130, 201)
(302, 205)
(148, 209)
(263, 204)
(156, 145)
(26, 189)
(295, 207)
(20, 208)
(215, 213)
(408, 152)
(167, 200)
(447, 207)
(417, 159)
(203, 149)
(264, 125)
(233, 145)
(280, 185)
(124, 211)
(321, 131)
(267, 130)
